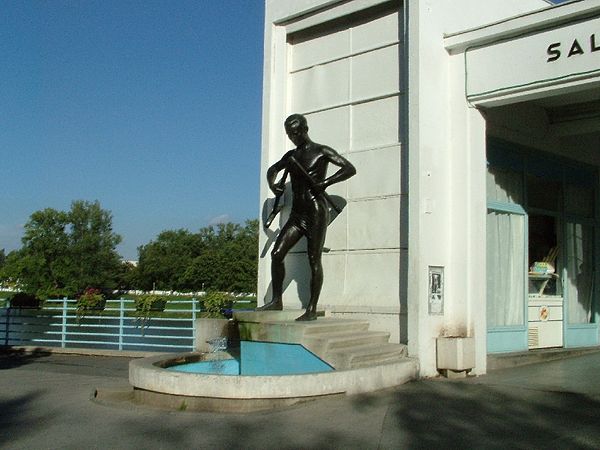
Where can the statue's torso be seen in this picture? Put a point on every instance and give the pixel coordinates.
(314, 162)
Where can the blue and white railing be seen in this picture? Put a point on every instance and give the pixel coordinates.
(117, 328)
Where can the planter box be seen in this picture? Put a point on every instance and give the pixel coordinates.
(25, 301)
(456, 354)
(33, 304)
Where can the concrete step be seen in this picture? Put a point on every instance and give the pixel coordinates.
(381, 362)
(324, 326)
(343, 343)
(366, 355)
(287, 315)
(321, 343)
(290, 331)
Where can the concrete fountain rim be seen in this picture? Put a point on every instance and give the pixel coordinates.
(149, 374)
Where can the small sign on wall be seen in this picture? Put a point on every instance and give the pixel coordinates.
(436, 290)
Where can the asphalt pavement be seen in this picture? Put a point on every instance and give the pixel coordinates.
(47, 402)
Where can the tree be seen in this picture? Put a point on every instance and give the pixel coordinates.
(229, 261)
(12, 268)
(204, 271)
(94, 261)
(222, 257)
(65, 252)
(126, 276)
(2, 264)
(239, 256)
(40, 266)
(163, 261)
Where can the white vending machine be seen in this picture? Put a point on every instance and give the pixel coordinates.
(545, 313)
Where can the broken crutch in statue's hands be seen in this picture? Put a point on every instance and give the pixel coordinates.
(278, 203)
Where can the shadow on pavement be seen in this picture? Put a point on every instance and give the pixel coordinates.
(457, 415)
(18, 416)
(212, 430)
(11, 358)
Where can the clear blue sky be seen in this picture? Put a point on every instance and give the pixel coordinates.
(151, 107)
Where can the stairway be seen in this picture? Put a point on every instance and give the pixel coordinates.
(343, 344)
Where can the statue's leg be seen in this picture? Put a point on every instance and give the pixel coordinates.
(287, 238)
(316, 283)
(315, 242)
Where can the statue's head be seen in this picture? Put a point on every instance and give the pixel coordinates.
(296, 128)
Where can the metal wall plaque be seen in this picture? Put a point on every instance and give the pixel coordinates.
(436, 290)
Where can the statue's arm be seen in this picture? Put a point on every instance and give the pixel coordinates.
(272, 172)
(346, 168)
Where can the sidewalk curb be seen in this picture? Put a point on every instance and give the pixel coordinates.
(30, 350)
(510, 360)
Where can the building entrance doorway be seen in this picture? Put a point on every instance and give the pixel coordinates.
(542, 251)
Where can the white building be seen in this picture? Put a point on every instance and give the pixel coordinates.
(475, 130)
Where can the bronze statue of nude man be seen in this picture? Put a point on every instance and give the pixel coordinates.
(307, 167)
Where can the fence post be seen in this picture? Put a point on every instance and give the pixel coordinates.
(121, 321)
(7, 325)
(63, 340)
(193, 323)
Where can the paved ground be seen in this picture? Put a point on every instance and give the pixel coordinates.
(45, 402)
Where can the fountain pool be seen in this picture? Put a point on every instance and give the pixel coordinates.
(257, 358)
(271, 368)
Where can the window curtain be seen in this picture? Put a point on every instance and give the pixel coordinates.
(505, 269)
(580, 272)
(505, 250)
(505, 186)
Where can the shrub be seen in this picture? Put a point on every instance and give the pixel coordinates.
(150, 302)
(146, 303)
(214, 302)
(91, 300)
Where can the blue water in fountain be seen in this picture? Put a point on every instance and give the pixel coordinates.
(261, 358)
(223, 367)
